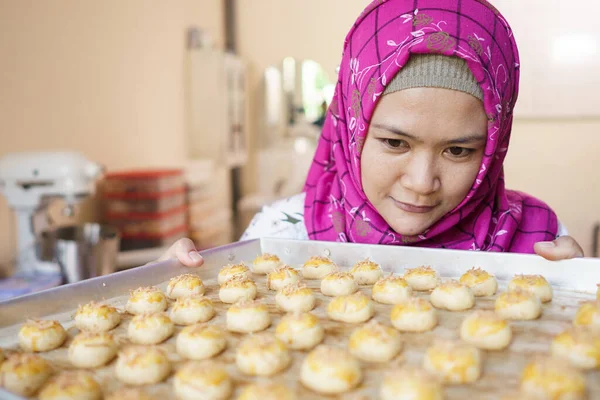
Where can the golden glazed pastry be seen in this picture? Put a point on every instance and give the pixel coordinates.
(452, 296)
(236, 289)
(142, 365)
(41, 335)
(300, 331)
(580, 346)
(24, 373)
(366, 272)
(201, 341)
(184, 286)
(422, 278)
(248, 316)
(97, 317)
(146, 300)
(262, 354)
(353, 308)
(71, 385)
(230, 271)
(295, 298)
(330, 370)
(518, 305)
(92, 349)
(588, 315)
(552, 379)
(265, 263)
(338, 284)
(391, 290)
(375, 342)
(519, 396)
(486, 330)
(410, 384)
(202, 380)
(192, 310)
(414, 315)
(150, 328)
(480, 282)
(266, 391)
(281, 277)
(535, 284)
(318, 267)
(129, 394)
(453, 362)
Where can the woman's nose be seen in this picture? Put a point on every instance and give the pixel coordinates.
(420, 176)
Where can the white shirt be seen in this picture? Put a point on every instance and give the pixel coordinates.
(283, 219)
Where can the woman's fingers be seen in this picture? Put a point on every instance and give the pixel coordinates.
(185, 251)
(562, 248)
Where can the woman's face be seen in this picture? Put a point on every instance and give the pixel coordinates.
(421, 155)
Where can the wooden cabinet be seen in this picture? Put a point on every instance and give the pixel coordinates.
(216, 102)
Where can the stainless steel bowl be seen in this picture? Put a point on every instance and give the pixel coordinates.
(82, 251)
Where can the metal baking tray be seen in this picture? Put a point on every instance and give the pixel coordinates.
(573, 281)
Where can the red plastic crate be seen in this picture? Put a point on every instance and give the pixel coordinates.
(124, 203)
(144, 181)
(153, 224)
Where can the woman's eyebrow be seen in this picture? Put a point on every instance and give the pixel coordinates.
(468, 139)
(397, 131)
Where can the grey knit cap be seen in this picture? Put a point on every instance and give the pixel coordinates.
(435, 70)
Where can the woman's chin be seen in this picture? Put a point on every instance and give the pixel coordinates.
(410, 225)
(410, 233)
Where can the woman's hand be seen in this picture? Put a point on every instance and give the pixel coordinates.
(185, 251)
(563, 248)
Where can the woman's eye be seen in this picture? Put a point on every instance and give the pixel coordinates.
(459, 151)
(395, 143)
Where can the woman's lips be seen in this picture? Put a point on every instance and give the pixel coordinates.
(411, 208)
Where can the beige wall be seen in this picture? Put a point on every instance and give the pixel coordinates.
(102, 77)
(553, 160)
(557, 161)
(269, 30)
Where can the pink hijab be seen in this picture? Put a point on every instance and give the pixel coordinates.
(378, 45)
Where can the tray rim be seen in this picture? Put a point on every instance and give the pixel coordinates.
(554, 271)
(157, 272)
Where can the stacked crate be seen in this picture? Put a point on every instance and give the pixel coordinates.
(149, 207)
(209, 202)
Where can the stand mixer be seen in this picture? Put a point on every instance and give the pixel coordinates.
(30, 181)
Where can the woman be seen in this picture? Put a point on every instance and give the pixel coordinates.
(412, 148)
